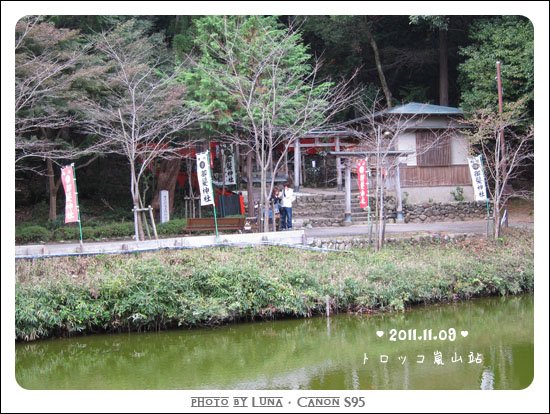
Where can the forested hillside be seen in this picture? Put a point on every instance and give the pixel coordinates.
(119, 96)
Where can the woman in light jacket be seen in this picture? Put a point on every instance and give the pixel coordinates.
(287, 197)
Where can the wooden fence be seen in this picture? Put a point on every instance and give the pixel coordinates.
(435, 176)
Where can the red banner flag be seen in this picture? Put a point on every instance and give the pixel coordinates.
(71, 205)
(363, 183)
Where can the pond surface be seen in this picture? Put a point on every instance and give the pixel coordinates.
(342, 352)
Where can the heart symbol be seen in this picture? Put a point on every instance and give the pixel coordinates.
(379, 334)
(464, 333)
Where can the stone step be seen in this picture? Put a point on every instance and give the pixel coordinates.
(336, 202)
(357, 209)
(328, 224)
(330, 197)
(360, 215)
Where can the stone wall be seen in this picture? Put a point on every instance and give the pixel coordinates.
(443, 194)
(346, 243)
(428, 212)
(321, 205)
(325, 210)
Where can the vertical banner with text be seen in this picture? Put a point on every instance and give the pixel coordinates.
(205, 179)
(229, 165)
(164, 206)
(363, 183)
(478, 178)
(71, 205)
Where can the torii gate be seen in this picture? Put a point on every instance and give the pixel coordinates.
(337, 144)
(347, 156)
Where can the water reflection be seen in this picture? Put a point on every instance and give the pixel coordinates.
(299, 354)
(487, 379)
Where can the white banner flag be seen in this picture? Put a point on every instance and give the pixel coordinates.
(478, 178)
(205, 179)
(229, 164)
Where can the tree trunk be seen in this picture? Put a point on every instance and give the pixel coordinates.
(249, 184)
(497, 194)
(139, 223)
(443, 69)
(221, 208)
(496, 209)
(263, 200)
(496, 223)
(167, 179)
(297, 159)
(381, 217)
(381, 76)
(53, 188)
(134, 186)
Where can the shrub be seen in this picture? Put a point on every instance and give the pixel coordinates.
(91, 233)
(171, 227)
(33, 233)
(30, 234)
(66, 233)
(115, 230)
(57, 223)
(150, 291)
(458, 194)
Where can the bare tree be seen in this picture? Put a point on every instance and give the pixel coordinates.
(276, 92)
(46, 59)
(502, 165)
(47, 62)
(379, 132)
(144, 117)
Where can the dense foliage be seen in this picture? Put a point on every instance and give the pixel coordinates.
(221, 74)
(59, 67)
(507, 39)
(64, 296)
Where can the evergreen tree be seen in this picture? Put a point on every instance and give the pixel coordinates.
(257, 80)
(508, 39)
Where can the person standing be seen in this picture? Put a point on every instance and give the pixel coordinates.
(286, 207)
(275, 210)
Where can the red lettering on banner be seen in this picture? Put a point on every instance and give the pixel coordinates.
(363, 183)
(71, 207)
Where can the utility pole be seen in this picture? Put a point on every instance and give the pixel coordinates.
(501, 132)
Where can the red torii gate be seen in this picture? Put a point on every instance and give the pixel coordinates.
(348, 155)
(311, 141)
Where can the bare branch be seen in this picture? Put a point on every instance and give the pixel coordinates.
(145, 118)
(502, 165)
(277, 99)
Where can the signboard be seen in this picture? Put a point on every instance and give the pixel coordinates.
(71, 205)
(229, 164)
(164, 206)
(205, 179)
(363, 183)
(478, 178)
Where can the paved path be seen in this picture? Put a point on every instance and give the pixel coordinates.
(471, 227)
(296, 237)
(477, 227)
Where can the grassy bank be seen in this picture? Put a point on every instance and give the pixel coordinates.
(62, 296)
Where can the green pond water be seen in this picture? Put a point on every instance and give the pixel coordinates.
(342, 352)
